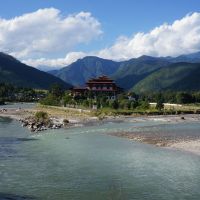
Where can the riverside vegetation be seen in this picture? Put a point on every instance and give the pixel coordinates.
(127, 103)
(10, 93)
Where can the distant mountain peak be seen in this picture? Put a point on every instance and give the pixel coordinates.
(146, 57)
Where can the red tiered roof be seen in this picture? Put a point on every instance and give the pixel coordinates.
(101, 79)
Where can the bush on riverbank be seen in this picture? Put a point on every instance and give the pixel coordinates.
(42, 117)
(40, 122)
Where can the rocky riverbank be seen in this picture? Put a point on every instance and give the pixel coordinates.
(167, 138)
(63, 118)
(186, 143)
(35, 125)
(57, 118)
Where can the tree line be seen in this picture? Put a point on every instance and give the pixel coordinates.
(57, 96)
(10, 93)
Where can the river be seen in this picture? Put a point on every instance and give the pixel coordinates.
(84, 163)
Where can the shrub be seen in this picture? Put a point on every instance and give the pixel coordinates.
(144, 105)
(114, 104)
(160, 105)
(50, 100)
(65, 122)
(134, 104)
(41, 116)
(86, 103)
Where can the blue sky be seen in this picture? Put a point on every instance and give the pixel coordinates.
(116, 17)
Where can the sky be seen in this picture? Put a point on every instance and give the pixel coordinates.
(55, 33)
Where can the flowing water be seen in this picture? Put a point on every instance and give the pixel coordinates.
(86, 164)
(18, 105)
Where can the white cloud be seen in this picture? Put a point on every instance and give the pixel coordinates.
(45, 33)
(44, 63)
(36, 36)
(181, 37)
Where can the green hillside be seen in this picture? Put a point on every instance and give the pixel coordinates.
(16, 73)
(176, 77)
(134, 70)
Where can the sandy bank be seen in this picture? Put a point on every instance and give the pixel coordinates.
(179, 143)
(167, 139)
(14, 113)
(192, 146)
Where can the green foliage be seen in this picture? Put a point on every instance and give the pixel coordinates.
(67, 98)
(124, 104)
(42, 117)
(134, 104)
(104, 101)
(55, 96)
(113, 104)
(183, 98)
(86, 103)
(50, 100)
(122, 96)
(173, 97)
(144, 105)
(56, 90)
(159, 102)
(12, 93)
(196, 97)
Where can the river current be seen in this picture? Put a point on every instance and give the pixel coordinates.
(84, 163)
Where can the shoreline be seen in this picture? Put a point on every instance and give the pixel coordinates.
(188, 144)
(192, 146)
(57, 117)
(184, 144)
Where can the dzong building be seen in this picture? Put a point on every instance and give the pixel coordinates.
(101, 86)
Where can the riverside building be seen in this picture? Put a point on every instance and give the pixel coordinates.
(101, 86)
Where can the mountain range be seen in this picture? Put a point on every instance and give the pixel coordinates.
(138, 74)
(16, 73)
(141, 74)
